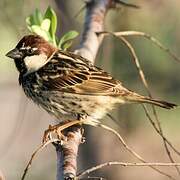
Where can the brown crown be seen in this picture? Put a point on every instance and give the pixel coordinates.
(36, 41)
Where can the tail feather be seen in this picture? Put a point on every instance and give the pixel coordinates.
(143, 99)
(163, 104)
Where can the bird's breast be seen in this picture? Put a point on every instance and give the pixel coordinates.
(67, 106)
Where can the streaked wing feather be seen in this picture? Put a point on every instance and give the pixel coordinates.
(77, 75)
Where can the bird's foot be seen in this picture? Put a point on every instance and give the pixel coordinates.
(56, 131)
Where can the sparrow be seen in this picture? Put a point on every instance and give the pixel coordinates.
(68, 86)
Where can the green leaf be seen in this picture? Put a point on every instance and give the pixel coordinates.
(29, 20)
(66, 45)
(39, 31)
(50, 14)
(66, 40)
(45, 25)
(28, 23)
(34, 19)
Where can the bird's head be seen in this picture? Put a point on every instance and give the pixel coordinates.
(31, 53)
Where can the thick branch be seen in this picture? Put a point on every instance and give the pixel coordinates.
(67, 154)
(70, 150)
(90, 42)
(94, 22)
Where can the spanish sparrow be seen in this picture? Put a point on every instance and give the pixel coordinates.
(67, 85)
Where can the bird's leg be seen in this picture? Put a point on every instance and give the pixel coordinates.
(57, 130)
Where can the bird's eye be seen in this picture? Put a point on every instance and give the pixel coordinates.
(30, 51)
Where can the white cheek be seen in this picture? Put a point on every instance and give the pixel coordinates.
(33, 63)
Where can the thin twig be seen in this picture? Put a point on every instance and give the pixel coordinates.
(79, 11)
(124, 164)
(144, 81)
(129, 149)
(40, 148)
(145, 35)
(154, 125)
(127, 4)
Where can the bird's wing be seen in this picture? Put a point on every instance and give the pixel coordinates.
(71, 73)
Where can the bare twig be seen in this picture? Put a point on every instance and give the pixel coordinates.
(40, 148)
(116, 1)
(154, 125)
(127, 4)
(125, 164)
(147, 36)
(130, 150)
(144, 81)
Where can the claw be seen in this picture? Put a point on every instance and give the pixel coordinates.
(47, 134)
(57, 131)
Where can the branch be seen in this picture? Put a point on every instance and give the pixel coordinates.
(67, 154)
(40, 148)
(157, 127)
(127, 4)
(90, 42)
(132, 152)
(125, 164)
(145, 35)
(94, 22)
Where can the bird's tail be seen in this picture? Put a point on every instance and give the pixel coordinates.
(143, 99)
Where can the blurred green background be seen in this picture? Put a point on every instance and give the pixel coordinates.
(22, 123)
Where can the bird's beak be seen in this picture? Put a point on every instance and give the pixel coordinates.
(15, 54)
